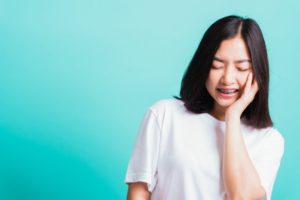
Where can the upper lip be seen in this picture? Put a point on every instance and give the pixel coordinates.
(227, 88)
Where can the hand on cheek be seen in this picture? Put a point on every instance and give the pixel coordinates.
(250, 89)
(247, 96)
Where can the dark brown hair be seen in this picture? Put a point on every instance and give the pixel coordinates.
(193, 91)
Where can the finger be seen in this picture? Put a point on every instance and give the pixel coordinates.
(255, 85)
(249, 81)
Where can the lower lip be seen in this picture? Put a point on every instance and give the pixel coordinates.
(227, 96)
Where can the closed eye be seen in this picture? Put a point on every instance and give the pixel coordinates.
(216, 67)
(243, 69)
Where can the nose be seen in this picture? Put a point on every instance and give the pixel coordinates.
(228, 75)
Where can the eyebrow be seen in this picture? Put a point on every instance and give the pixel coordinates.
(236, 61)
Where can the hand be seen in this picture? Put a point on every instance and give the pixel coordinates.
(249, 92)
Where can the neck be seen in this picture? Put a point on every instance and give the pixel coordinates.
(218, 113)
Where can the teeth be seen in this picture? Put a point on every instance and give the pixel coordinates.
(227, 91)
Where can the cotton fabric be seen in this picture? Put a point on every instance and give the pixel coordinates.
(179, 153)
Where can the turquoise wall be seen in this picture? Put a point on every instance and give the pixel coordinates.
(77, 76)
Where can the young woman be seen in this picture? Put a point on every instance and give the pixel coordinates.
(216, 140)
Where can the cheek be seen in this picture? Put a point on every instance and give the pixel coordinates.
(243, 80)
(212, 78)
(209, 83)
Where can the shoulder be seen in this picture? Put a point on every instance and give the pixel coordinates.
(273, 134)
(269, 136)
(166, 105)
(272, 139)
(268, 133)
(166, 110)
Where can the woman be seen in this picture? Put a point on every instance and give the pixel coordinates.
(216, 140)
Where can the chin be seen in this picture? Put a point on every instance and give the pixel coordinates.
(225, 104)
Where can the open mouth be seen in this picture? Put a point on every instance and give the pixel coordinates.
(227, 91)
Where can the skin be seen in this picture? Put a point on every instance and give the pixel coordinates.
(138, 191)
(231, 68)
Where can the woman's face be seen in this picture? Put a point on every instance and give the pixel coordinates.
(228, 74)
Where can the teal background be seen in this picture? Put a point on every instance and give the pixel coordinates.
(77, 76)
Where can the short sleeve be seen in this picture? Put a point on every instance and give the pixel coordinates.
(142, 165)
(268, 160)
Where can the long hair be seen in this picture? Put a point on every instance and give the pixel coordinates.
(193, 91)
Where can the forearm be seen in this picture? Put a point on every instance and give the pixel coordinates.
(137, 197)
(240, 177)
(138, 191)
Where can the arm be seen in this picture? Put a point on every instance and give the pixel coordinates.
(138, 191)
(240, 176)
(241, 179)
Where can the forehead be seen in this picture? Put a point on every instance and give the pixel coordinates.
(233, 49)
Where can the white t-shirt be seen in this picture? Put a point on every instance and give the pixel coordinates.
(179, 153)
